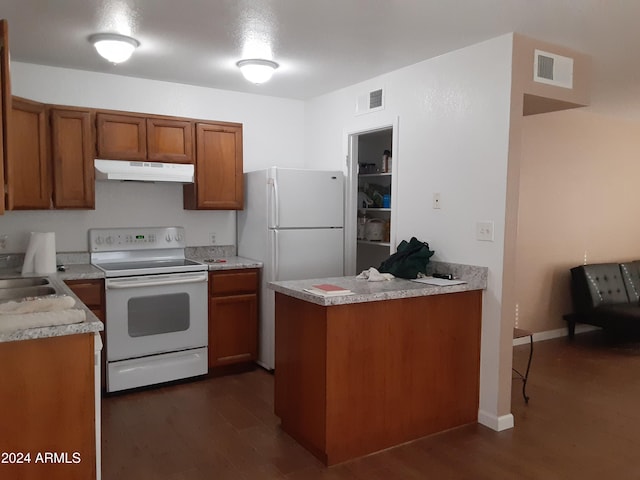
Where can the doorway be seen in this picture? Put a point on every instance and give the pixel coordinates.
(371, 197)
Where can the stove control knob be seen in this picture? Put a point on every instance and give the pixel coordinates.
(179, 237)
(109, 240)
(168, 237)
(99, 240)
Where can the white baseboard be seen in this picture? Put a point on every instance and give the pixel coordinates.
(557, 333)
(494, 422)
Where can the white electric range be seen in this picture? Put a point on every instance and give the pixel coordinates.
(156, 306)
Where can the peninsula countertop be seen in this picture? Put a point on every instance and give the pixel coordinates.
(475, 278)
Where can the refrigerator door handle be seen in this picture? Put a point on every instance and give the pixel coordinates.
(275, 204)
(276, 262)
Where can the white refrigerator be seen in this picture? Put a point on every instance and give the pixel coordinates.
(292, 222)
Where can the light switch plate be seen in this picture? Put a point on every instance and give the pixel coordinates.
(484, 231)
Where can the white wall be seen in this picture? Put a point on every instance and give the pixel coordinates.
(453, 139)
(453, 131)
(272, 130)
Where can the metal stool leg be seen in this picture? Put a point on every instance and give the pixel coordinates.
(518, 333)
(526, 375)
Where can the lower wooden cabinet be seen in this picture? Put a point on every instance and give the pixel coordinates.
(47, 394)
(233, 317)
(91, 293)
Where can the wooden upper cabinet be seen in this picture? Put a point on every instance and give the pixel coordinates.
(121, 137)
(5, 101)
(28, 175)
(169, 140)
(72, 154)
(219, 181)
(136, 137)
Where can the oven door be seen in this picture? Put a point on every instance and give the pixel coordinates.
(153, 314)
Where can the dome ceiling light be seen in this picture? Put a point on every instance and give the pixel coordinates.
(257, 70)
(114, 47)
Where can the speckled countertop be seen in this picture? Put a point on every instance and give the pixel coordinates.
(365, 291)
(226, 263)
(90, 325)
(86, 271)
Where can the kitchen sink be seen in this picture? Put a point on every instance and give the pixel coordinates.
(23, 282)
(17, 293)
(19, 288)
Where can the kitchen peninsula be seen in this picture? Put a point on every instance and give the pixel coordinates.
(393, 362)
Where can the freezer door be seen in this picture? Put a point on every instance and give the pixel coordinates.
(307, 253)
(305, 198)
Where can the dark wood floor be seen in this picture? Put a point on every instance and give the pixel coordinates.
(583, 421)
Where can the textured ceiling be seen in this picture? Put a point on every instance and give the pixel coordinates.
(321, 46)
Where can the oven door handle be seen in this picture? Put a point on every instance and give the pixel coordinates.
(161, 280)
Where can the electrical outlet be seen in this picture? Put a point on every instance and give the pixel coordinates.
(436, 200)
(484, 231)
(212, 238)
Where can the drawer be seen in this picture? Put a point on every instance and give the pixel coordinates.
(90, 293)
(233, 282)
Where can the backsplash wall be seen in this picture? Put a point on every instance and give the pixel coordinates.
(119, 204)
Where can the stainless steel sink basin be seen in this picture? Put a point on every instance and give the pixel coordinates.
(22, 282)
(23, 292)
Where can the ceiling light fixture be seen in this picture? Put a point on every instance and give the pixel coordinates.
(114, 47)
(257, 70)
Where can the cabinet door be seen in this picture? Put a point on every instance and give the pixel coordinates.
(91, 293)
(28, 175)
(72, 153)
(5, 100)
(169, 140)
(233, 329)
(47, 395)
(121, 137)
(219, 181)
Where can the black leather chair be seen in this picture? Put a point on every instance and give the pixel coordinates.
(605, 295)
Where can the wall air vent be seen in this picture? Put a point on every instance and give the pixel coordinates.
(370, 102)
(375, 99)
(552, 69)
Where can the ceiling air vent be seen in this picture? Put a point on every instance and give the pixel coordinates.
(552, 69)
(370, 102)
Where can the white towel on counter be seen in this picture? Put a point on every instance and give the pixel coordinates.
(373, 275)
(52, 303)
(23, 321)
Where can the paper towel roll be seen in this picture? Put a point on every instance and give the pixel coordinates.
(30, 254)
(45, 260)
(40, 256)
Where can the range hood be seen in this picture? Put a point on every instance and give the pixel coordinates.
(137, 171)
